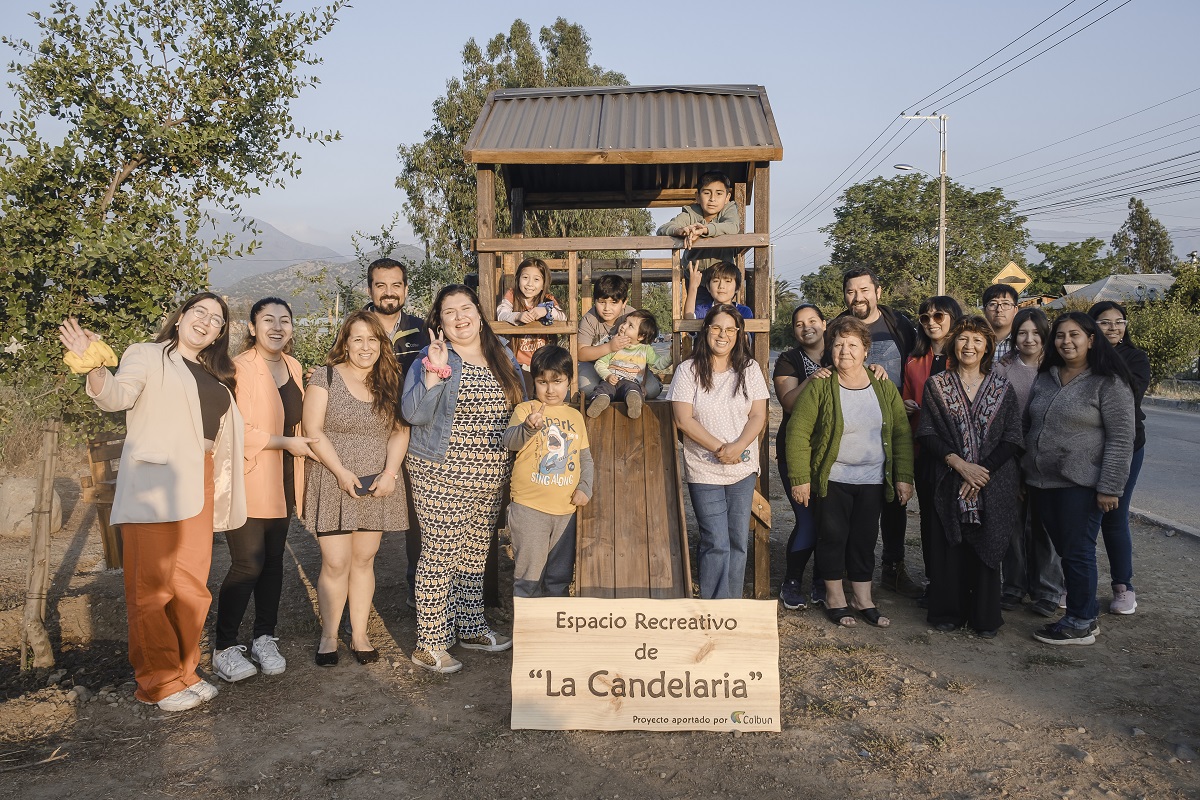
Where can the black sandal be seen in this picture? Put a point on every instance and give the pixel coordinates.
(836, 615)
(872, 616)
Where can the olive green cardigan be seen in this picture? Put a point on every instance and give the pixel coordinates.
(814, 435)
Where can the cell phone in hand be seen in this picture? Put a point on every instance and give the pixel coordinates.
(366, 481)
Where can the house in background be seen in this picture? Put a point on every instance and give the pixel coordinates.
(1121, 288)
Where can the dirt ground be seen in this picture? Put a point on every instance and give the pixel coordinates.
(897, 713)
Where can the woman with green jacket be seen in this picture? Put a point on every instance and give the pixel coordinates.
(849, 448)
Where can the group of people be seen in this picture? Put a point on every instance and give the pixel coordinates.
(1021, 438)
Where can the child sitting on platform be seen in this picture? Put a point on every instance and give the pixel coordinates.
(622, 373)
(713, 214)
(599, 332)
(551, 477)
(530, 301)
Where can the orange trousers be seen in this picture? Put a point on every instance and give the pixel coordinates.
(167, 598)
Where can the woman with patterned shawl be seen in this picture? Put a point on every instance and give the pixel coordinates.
(971, 429)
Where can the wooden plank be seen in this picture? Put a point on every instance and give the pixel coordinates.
(635, 291)
(692, 155)
(635, 197)
(516, 204)
(755, 325)
(591, 202)
(485, 227)
(632, 561)
(676, 309)
(109, 450)
(681, 556)
(585, 302)
(660, 532)
(537, 328)
(764, 283)
(573, 317)
(594, 545)
(490, 244)
(760, 509)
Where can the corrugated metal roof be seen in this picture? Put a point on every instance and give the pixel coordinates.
(1134, 288)
(625, 125)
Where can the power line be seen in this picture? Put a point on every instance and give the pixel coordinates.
(1123, 202)
(1086, 200)
(1031, 58)
(1002, 181)
(1105, 178)
(918, 104)
(1084, 133)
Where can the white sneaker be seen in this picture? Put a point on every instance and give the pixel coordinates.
(204, 690)
(180, 701)
(439, 661)
(489, 642)
(1124, 600)
(231, 666)
(265, 653)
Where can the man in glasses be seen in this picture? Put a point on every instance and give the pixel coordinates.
(999, 307)
(892, 338)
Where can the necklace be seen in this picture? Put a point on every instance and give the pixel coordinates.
(273, 360)
(970, 387)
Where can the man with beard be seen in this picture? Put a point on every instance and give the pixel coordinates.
(387, 283)
(892, 338)
(999, 307)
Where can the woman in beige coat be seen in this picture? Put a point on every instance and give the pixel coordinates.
(180, 479)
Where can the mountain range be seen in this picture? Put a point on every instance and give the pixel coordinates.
(276, 249)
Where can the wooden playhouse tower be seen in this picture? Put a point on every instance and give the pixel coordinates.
(629, 147)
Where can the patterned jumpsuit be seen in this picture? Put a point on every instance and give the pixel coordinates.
(458, 502)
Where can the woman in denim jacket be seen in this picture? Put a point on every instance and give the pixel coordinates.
(458, 398)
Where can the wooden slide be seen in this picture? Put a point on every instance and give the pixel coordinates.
(632, 536)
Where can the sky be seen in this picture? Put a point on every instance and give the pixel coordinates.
(837, 75)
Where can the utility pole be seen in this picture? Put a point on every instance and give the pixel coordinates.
(941, 118)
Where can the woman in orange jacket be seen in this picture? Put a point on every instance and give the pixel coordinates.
(270, 397)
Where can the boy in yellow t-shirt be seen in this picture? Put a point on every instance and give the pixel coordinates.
(552, 476)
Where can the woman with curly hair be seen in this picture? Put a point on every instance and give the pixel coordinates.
(351, 497)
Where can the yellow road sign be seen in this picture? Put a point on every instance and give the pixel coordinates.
(1013, 276)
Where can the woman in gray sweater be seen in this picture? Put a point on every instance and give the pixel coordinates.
(1078, 447)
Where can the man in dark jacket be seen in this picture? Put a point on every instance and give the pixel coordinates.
(892, 338)
(387, 283)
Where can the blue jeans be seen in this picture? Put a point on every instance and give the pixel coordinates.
(589, 380)
(723, 515)
(1066, 513)
(804, 532)
(1118, 541)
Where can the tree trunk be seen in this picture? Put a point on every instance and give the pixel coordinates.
(33, 628)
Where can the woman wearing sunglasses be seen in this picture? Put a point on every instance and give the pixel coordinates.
(936, 317)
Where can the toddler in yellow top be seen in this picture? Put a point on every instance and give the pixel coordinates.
(552, 476)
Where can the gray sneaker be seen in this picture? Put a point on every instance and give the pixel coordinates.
(265, 653)
(231, 666)
(1124, 600)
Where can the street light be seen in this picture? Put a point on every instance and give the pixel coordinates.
(941, 118)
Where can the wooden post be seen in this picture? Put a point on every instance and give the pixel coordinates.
(764, 285)
(37, 586)
(573, 316)
(485, 226)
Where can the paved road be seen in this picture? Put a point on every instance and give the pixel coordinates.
(1169, 485)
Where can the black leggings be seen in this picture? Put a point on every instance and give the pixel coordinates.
(847, 526)
(256, 550)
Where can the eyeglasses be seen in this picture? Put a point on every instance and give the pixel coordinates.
(997, 306)
(717, 329)
(937, 316)
(203, 316)
(1113, 323)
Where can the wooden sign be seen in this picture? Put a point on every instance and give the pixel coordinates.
(654, 665)
(1013, 276)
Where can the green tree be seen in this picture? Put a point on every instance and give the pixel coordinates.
(891, 225)
(132, 118)
(1168, 331)
(823, 287)
(1074, 262)
(785, 302)
(440, 184)
(1142, 243)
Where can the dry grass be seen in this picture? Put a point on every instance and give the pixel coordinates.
(958, 687)
(20, 433)
(1177, 390)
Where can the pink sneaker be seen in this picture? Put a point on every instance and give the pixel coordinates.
(1124, 600)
